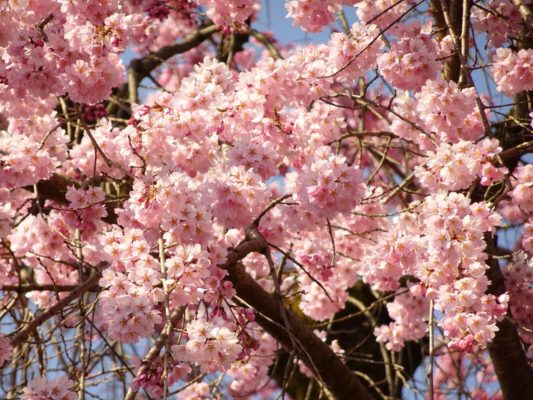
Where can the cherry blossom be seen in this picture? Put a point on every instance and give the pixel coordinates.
(195, 207)
(412, 60)
(235, 11)
(326, 185)
(311, 15)
(5, 350)
(56, 389)
(208, 346)
(512, 71)
(455, 167)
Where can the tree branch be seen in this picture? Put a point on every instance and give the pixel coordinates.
(36, 287)
(155, 349)
(510, 363)
(21, 335)
(336, 376)
(140, 68)
(525, 11)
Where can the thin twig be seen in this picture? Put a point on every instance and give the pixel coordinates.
(270, 207)
(168, 325)
(21, 335)
(154, 350)
(382, 31)
(464, 65)
(431, 350)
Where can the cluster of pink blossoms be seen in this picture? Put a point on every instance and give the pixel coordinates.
(519, 282)
(325, 185)
(208, 346)
(252, 154)
(456, 166)
(380, 12)
(520, 208)
(452, 368)
(157, 23)
(353, 55)
(228, 12)
(192, 273)
(196, 160)
(439, 110)
(128, 307)
(412, 59)
(86, 209)
(43, 389)
(527, 238)
(312, 15)
(448, 111)
(30, 155)
(196, 391)
(42, 244)
(336, 276)
(173, 203)
(500, 19)
(449, 260)
(73, 52)
(320, 125)
(393, 255)
(454, 272)
(522, 193)
(410, 312)
(151, 379)
(11, 202)
(5, 350)
(513, 71)
(113, 143)
(253, 376)
(238, 195)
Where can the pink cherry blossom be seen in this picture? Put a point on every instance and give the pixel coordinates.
(412, 59)
(5, 350)
(186, 195)
(513, 71)
(56, 389)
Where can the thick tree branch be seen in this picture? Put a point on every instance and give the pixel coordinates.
(452, 66)
(525, 11)
(336, 376)
(36, 287)
(267, 43)
(451, 22)
(506, 351)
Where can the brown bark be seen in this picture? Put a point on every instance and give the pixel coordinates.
(335, 375)
(338, 378)
(452, 66)
(506, 351)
